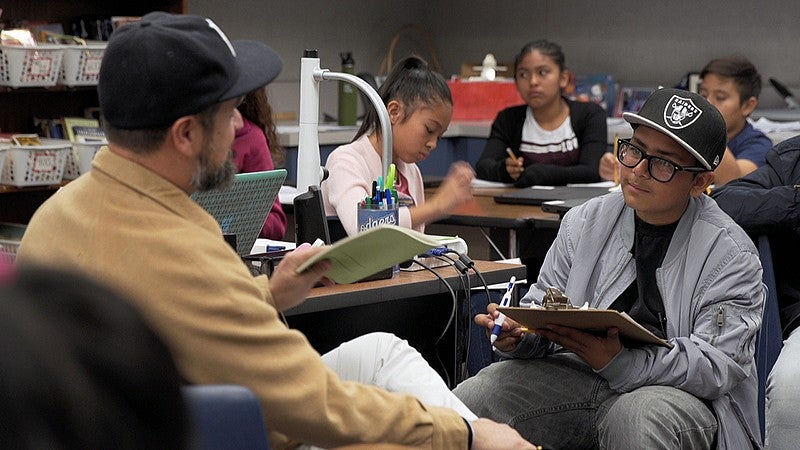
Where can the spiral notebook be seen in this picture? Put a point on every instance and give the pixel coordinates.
(242, 208)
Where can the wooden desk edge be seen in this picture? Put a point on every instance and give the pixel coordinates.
(404, 285)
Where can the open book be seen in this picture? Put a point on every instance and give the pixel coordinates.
(584, 319)
(361, 255)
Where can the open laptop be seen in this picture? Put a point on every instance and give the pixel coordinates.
(539, 195)
(242, 208)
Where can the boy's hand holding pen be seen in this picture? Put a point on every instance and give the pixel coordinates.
(501, 318)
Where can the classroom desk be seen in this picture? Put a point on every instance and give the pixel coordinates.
(415, 306)
(505, 221)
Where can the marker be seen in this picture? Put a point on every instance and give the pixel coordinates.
(388, 183)
(498, 323)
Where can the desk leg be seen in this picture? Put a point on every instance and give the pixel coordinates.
(512, 243)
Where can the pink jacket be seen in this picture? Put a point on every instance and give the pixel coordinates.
(352, 169)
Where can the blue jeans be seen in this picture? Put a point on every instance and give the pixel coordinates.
(559, 402)
(783, 397)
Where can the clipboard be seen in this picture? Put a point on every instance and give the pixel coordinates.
(584, 319)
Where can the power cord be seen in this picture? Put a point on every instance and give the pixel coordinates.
(463, 260)
(449, 320)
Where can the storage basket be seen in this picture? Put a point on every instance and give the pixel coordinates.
(30, 66)
(10, 237)
(81, 65)
(36, 165)
(79, 159)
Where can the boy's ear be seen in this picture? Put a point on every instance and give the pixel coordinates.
(701, 183)
(749, 105)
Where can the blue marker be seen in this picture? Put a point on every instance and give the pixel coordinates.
(498, 323)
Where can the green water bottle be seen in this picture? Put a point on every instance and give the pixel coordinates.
(348, 93)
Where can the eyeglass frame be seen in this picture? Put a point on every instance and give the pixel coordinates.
(644, 156)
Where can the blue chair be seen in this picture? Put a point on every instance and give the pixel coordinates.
(224, 417)
(770, 339)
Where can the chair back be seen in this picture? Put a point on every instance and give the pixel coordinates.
(225, 416)
(770, 339)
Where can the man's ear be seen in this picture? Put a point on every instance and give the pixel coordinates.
(701, 183)
(184, 134)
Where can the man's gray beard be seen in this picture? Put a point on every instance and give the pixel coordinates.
(205, 178)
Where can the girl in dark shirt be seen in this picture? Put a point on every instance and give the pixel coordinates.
(554, 141)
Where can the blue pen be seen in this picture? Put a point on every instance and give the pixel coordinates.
(498, 323)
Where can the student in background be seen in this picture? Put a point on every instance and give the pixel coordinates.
(732, 85)
(663, 252)
(256, 149)
(420, 107)
(131, 224)
(766, 202)
(554, 141)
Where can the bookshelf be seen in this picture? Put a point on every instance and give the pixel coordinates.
(21, 105)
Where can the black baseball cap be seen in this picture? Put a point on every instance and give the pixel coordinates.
(689, 119)
(166, 66)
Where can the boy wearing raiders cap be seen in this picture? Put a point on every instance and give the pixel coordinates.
(168, 89)
(662, 251)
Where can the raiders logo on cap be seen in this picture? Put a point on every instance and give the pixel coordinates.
(681, 112)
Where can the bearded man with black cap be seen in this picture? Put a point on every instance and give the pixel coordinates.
(663, 252)
(168, 89)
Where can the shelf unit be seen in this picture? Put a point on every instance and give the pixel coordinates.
(19, 106)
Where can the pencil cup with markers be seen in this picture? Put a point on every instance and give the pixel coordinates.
(370, 215)
(376, 211)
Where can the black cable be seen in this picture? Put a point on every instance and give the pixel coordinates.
(465, 317)
(449, 320)
(466, 261)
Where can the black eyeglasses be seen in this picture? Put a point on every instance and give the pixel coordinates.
(660, 169)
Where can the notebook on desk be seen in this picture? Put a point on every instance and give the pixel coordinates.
(242, 208)
(539, 195)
